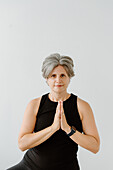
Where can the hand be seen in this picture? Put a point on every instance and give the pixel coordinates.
(64, 124)
(57, 119)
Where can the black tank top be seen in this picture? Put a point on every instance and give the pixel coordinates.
(59, 151)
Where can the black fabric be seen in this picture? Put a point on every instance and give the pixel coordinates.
(20, 166)
(59, 151)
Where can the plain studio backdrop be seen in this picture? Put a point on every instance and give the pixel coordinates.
(30, 30)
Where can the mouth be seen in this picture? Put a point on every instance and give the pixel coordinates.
(58, 85)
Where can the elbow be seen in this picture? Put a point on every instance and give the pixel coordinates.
(97, 148)
(21, 147)
(96, 151)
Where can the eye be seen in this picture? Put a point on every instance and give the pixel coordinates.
(62, 75)
(53, 75)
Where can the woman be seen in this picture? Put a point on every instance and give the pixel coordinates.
(56, 123)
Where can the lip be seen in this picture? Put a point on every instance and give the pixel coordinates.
(59, 85)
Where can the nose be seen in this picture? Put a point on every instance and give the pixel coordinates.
(58, 79)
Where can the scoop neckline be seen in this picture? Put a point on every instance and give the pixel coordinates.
(57, 102)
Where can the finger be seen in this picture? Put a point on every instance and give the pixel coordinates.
(62, 109)
(58, 107)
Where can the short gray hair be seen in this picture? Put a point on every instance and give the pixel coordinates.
(53, 61)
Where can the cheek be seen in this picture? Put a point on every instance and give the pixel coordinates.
(67, 81)
(50, 83)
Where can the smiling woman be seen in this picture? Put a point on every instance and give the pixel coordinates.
(56, 123)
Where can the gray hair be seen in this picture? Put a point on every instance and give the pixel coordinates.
(53, 61)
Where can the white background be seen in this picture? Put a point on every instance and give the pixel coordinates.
(30, 30)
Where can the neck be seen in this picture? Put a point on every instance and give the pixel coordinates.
(58, 96)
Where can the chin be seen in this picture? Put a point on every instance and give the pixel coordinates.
(59, 90)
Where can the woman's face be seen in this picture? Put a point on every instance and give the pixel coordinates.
(58, 79)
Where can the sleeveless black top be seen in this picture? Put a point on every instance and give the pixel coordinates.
(59, 151)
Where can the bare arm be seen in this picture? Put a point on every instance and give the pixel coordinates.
(90, 139)
(27, 139)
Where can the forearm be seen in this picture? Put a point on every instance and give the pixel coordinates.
(86, 141)
(31, 140)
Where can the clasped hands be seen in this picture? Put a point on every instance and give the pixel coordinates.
(60, 119)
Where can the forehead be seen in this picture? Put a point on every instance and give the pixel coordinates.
(59, 69)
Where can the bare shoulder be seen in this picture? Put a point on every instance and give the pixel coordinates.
(83, 107)
(35, 103)
(36, 100)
